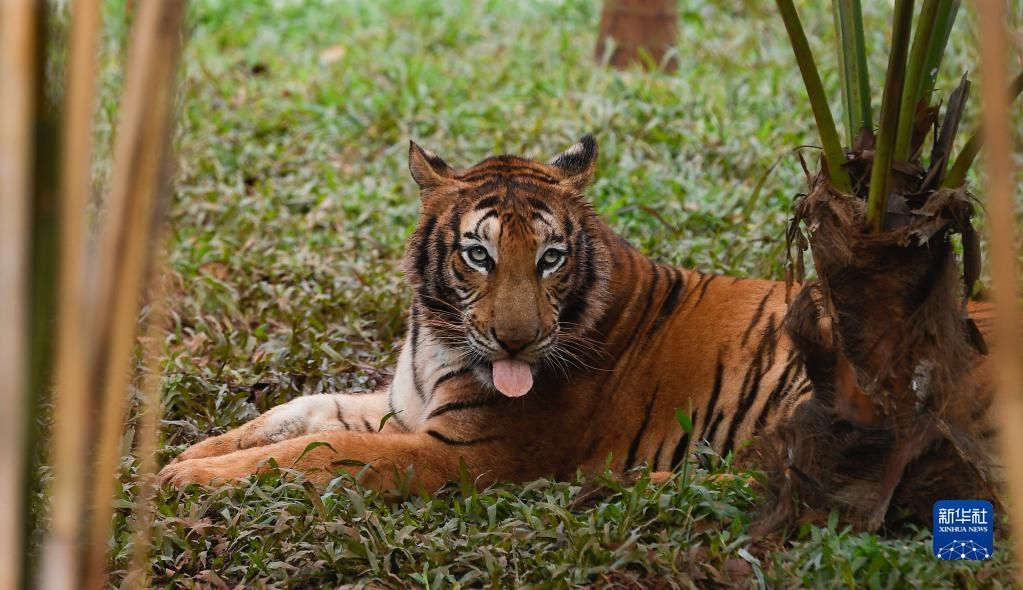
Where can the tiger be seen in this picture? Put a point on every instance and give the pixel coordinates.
(540, 343)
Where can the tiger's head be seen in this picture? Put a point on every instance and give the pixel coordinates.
(508, 263)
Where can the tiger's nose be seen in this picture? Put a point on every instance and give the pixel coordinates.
(513, 341)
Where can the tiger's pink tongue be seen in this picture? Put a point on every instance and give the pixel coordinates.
(513, 378)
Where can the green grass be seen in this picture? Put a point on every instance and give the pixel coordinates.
(291, 206)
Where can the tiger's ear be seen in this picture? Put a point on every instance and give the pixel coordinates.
(577, 163)
(428, 170)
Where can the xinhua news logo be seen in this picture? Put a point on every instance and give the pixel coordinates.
(963, 529)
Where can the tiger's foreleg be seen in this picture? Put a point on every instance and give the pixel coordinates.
(300, 416)
(387, 462)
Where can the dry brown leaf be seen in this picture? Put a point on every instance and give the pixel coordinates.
(332, 54)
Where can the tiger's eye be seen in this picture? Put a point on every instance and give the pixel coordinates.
(478, 254)
(551, 257)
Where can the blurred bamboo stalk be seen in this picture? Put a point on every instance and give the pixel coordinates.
(139, 187)
(18, 67)
(147, 436)
(61, 561)
(994, 47)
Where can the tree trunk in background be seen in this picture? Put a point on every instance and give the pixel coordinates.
(635, 27)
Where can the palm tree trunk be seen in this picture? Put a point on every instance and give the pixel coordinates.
(638, 31)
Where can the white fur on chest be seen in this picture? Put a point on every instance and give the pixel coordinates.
(420, 366)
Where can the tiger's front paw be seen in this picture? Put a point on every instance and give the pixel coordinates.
(206, 471)
(180, 473)
(215, 446)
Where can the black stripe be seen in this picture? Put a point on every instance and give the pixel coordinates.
(749, 395)
(592, 447)
(415, 346)
(509, 172)
(423, 253)
(805, 388)
(442, 290)
(369, 427)
(395, 414)
(669, 304)
(770, 336)
(757, 314)
(452, 441)
(463, 405)
(455, 223)
(501, 160)
(529, 187)
(657, 455)
(691, 288)
(631, 459)
(655, 277)
(714, 428)
(785, 381)
(538, 204)
(432, 301)
(450, 375)
(467, 299)
(340, 417)
(719, 374)
(641, 321)
(523, 181)
(683, 445)
(492, 189)
(703, 289)
(486, 202)
(577, 302)
(484, 217)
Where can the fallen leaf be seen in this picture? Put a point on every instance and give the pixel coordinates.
(332, 54)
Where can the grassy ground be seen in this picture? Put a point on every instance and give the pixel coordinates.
(292, 203)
